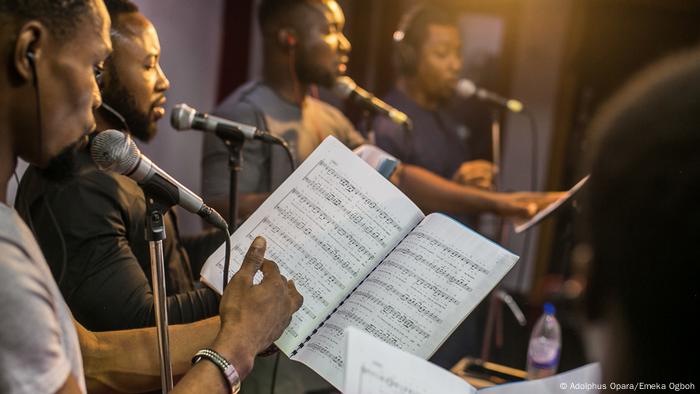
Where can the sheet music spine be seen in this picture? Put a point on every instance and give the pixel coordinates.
(301, 345)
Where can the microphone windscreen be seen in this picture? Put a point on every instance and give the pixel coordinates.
(465, 88)
(182, 117)
(115, 151)
(344, 86)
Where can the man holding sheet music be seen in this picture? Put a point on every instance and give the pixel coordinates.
(304, 46)
(49, 91)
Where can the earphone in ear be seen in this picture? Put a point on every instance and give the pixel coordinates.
(31, 58)
(287, 38)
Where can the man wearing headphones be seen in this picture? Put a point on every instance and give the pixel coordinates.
(303, 45)
(91, 223)
(428, 62)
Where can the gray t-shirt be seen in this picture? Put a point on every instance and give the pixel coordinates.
(265, 167)
(38, 341)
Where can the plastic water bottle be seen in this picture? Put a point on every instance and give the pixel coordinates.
(545, 345)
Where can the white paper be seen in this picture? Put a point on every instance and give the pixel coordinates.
(326, 226)
(584, 380)
(374, 367)
(416, 297)
(541, 215)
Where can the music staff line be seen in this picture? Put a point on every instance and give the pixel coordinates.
(357, 217)
(352, 241)
(440, 270)
(350, 188)
(450, 251)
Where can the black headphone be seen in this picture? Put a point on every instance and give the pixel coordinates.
(405, 54)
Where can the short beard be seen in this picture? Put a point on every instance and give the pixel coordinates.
(117, 97)
(62, 167)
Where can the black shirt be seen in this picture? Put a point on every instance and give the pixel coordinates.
(106, 280)
(437, 141)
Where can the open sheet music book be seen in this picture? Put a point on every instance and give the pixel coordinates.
(363, 255)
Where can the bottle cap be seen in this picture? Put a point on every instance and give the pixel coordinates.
(549, 309)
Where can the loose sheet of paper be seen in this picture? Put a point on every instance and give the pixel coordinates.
(326, 226)
(416, 297)
(541, 215)
(585, 380)
(375, 367)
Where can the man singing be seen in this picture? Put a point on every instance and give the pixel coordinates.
(303, 45)
(47, 94)
(91, 224)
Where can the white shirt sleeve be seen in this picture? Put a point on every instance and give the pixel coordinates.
(32, 357)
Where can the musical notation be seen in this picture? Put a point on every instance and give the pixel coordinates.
(326, 231)
(373, 379)
(416, 295)
(331, 168)
(373, 366)
(436, 267)
(450, 251)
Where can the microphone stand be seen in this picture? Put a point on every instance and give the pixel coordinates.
(494, 320)
(155, 234)
(234, 143)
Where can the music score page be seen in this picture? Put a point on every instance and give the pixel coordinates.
(416, 297)
(327, 226)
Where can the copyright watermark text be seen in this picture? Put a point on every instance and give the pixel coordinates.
(638, 386)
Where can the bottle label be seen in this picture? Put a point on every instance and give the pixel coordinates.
(543, 353)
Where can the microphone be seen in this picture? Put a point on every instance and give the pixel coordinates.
(116, 151)
(185, 117)
(466, 89)
(345, 88)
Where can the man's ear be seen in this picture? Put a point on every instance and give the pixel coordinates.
(31, 40)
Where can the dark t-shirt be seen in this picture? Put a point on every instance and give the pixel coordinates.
(106, 280)
(437, 142)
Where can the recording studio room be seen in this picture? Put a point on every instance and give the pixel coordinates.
(349, 196)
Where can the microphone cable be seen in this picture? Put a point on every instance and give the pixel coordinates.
(64, 252)
(116, 115)
(227, 257)
(274, 373)
(534, 168)
(281, 142)
(534, 148)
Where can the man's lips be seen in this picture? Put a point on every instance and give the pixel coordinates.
(159, 108)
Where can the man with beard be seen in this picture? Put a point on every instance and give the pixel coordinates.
(304, 45)
(91, 224)
(47, 94)
(428, 62)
